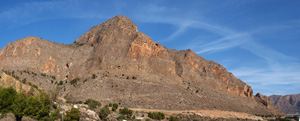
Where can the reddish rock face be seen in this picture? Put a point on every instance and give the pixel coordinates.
(289, 104)
(115, 50)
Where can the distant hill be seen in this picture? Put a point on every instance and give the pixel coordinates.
(114, 62)
(289, 104)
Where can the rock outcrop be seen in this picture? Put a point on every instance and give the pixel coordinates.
(289, 104)
(8, 81)
(114, 62)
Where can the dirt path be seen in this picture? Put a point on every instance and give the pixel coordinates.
(205, 113)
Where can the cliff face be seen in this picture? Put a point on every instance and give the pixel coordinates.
(8, 81)
(289, 104)
(120, 64)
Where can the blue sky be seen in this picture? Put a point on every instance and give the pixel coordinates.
(257, 40)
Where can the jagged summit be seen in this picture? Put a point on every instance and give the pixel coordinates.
(119, 25)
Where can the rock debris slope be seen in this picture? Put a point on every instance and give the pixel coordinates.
(114, 62)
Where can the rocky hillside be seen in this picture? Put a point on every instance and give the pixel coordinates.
(289, 104)
(114, 62)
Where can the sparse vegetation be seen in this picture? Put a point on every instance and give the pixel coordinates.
(43, 74)
(174, 118)
(53, 77)
(126, 111)
(24, 80)
(72, 115)
(156, 115)
(92, 103)
(78, 44)
(114, 107)
(94, 76)
(121, 118)
(134, 77)
(60, 82)
(74, 81)
(104, 112)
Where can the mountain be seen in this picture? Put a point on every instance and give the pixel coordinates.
(114, 62)
(289, 104)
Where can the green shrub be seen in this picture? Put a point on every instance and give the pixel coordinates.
(72, 115)
(156, 115)
(43, 74)
(134, 77)
(115, 105)
(74, 81)
(60, 82)
(53, 77)
(104, 112)
(94, 76)
(121, 117)
(92, 103)
(126, 111)
(54, 116)
(174, 118)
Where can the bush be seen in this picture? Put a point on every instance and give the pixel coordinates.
(92, 103)
(74, 81)
(173, 118)
(115, 105)
(60, 82)
(54, 116)
(94, 76)
(72, 115)
(104, 112)
(53, 77)
(134, 77)
(121, 117)
(127, 112)
(24, 80)
(43, 74)
(156, 115)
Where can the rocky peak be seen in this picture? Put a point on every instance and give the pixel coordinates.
(119, 26)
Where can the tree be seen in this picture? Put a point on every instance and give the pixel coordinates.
(104, 112)
(19, 106)
(72, 115)
(32, 107)
(55, 115)
(7, 97)
(38, 107)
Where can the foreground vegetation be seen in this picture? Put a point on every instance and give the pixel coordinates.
(36, 107)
